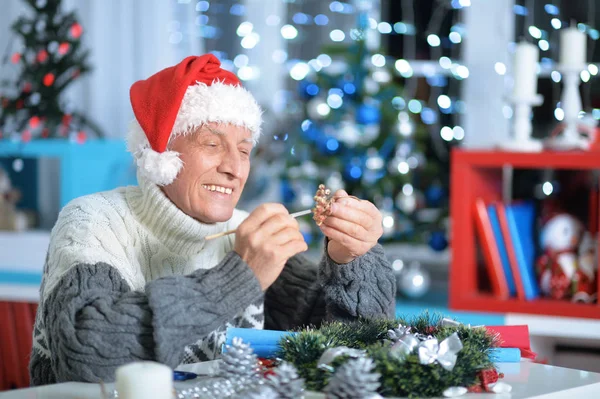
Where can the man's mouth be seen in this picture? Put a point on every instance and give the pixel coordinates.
(220, 189)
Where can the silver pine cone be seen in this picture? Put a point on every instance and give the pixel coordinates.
(259, 392)
(239, 361)
(286, 382)
(397, 333)
(354, 380)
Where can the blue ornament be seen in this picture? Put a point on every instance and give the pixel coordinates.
(312, 133)
(434, 195)
(368, 115)
(287, 192)
(438, 241)
(353, 171)
(349, 88)
(307, 89)
(328, 145)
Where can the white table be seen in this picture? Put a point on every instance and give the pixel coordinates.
(528, 380)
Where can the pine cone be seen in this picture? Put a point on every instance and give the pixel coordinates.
(286, 382)
(239, 362)
(260, 392)
(397, 333)
(354, 380)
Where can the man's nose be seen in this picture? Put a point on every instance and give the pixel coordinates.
(231, 163)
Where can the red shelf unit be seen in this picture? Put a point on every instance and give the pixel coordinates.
(478, 174)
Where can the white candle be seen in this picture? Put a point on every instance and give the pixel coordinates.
(143, 380)
(525, 70)
(572, 47)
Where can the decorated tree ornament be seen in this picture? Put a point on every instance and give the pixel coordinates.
(63, 48)
(438, 241)
(53, 46)
(48, 79)
(76, 30)
(286, 382)
(414, 281)
(15, 58)
(354, 380)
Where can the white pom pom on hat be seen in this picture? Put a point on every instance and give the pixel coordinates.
(176, 101)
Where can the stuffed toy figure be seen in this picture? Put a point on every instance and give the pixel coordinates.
(10, 217)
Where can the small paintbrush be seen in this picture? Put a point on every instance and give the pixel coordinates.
(213, 236)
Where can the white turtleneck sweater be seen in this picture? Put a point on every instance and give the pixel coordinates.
(129, 276)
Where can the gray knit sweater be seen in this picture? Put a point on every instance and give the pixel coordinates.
(129, 277)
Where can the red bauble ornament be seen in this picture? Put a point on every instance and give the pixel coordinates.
(81, 137)
(19, 104)
(64, 48)
(45, 132)
(15, 58)
(66, 119)
(76, 30)
(48, 79)
(34, 122)
(26, 87)
(26, 136)
(42, 56)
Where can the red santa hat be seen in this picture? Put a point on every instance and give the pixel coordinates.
(178, 100)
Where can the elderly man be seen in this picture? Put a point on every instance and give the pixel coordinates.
(129, 275)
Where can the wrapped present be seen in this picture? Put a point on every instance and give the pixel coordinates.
(514, 337)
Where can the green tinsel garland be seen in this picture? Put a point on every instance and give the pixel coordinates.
(399, 377)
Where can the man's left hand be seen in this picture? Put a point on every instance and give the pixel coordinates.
(353, 228)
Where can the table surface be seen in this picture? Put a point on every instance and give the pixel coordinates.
(528, 380)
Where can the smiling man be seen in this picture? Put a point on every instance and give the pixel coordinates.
(129, 275)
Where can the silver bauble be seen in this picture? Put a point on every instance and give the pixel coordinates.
(415, 281)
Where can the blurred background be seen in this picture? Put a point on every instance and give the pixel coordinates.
(369, 96)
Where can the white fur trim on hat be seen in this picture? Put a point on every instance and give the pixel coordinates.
(159, 168)
(219, 102)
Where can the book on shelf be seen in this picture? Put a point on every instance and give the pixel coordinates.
(490, 250)
(519, 235)
(511, 282)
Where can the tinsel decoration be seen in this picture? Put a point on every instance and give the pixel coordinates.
(286, 382)
(355, 379)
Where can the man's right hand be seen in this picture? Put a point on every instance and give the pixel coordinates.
(266, 240)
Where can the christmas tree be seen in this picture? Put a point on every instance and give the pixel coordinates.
(355, 133)
(49, 59)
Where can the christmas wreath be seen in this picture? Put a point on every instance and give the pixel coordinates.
(419, 357)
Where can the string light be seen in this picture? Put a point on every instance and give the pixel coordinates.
(433, 40)
(337, 35)
(535, 32)
(289, 32)
(585, 76)
(500, 68)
